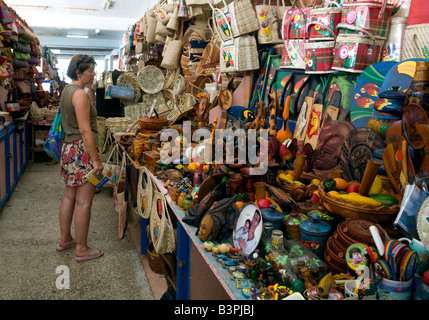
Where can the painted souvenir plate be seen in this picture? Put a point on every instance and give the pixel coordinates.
(366, 92)
(357, 255)
(248, 229)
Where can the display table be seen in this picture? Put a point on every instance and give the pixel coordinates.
(193, 279)
(43, 126)
(197, 269)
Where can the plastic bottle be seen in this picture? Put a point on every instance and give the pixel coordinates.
(422, 291)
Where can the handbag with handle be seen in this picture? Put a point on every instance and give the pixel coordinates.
(238, 54)
(112, 166)
(319, 54)
(162, 232)
(173, 52)
(329, 16)
(56, 134)
(120, 187)
(164, 11)
(294, 23)
(145, 192)
(355, 53)
(372, 16)
(236, 19)
(268, 24)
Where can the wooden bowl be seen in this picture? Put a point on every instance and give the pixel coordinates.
(152, 123)
(356, 211)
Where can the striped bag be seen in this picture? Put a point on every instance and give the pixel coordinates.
(329, 16)
(237, 54)
(294, 23)
(244, 20)
(293, 54)
(236, 19)
(372, 16)
(319, 54)
(355, 53)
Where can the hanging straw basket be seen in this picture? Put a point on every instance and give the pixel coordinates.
(150, 79)
(154, 259)
(171, 77)
(211, 55)
(197, 86)
(357, 211)
(179, 85)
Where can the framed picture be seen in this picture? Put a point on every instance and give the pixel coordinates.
(248, 229)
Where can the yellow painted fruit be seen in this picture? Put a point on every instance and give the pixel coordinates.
(376, 186)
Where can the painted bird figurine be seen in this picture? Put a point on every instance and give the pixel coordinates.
(324, 286)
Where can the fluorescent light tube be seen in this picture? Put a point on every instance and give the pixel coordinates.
(77, 36)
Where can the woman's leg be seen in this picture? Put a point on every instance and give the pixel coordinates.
(66, 214)
(84, 197)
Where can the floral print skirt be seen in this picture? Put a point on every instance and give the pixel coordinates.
(75, 163)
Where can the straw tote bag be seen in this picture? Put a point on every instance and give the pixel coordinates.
(162, 232)
(173, 53)
(238, 54)
(268, 31)
(145, 192)
(164, 11)
(151, 27)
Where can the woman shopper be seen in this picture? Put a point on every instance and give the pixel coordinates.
(79, 156)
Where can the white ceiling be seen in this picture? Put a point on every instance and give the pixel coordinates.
(53, 20)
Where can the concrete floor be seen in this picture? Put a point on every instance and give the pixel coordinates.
(29, 232)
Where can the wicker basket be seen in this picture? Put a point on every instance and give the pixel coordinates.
(179, 85)
(150, 79)
(171, 77)
(50, 113)
(357, 211)
(35, 113)
(154, 259)
(115, 122)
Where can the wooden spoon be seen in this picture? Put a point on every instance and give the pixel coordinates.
(392, 167)
(394, 129)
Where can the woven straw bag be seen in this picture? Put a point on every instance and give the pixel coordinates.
(164, 11)
(238, 54)
(162, 232)
(145, 191)
(268, 31)
(173, 53)
(179, 85)
(161, 30)
(151, 27)
(170, 78)
(129, 79)
(174, 23)
(150, 79)
(416, 41)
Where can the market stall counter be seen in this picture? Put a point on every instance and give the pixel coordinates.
(205, 271)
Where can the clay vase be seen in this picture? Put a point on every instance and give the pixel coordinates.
(418, 92)
(236, 181)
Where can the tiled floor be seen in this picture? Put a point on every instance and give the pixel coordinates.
(31, 267)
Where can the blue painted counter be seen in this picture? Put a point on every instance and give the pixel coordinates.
(185, 238)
